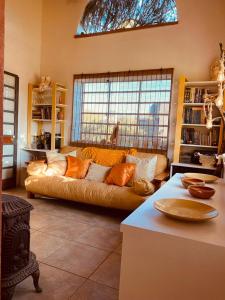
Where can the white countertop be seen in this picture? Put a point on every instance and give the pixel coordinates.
(146, 217)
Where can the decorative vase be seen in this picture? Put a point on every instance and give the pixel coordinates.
(60, 115)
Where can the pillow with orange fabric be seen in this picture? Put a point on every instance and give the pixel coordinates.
(120, 174)
(76, 167)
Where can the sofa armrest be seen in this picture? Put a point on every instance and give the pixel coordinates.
(162, 176)
(159, 179)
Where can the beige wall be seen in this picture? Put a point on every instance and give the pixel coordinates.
(23, 26)
(189, 47)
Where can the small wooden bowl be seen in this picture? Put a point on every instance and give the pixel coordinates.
(192, 181)
(202, 192)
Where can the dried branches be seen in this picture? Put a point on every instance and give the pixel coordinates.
(107, 15)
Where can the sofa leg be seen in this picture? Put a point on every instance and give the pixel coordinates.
(30, 195)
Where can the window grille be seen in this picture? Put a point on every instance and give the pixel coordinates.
(134, 103)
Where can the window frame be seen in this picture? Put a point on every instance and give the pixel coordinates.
(161, 71)
(78, 36)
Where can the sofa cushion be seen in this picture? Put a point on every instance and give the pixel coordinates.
(106, 157)
(97, 172)
(76, 167)
(82, 190)
(145, 167)
(120, 174)
(37, 168)
(57, 162)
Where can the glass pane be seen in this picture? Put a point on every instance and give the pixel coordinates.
(156, 85)
(95, 87)
(9, 80)
(8, 149)
(94, 128)
(153, 120)
(95, 108)
(7, 173)
(152, 131)
(7, 161)
(125, 86)
(8, 129)
(9, 105)
(96, 97)
(124, 97)
(155, 108)
(155, 97)
(123, 108)
(8, 117)
(123, 119)
(9, 93)
(94, 118)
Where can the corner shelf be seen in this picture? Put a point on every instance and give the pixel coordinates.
(50, 108)
(194, 91)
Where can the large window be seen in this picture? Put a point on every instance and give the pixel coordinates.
(104, 16)
(136, 103)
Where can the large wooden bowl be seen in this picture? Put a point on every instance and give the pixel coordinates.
(202, 192)
(191, 181)
(187, 210)
(206, 177)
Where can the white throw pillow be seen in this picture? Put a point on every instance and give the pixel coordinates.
(53, 156)
(145, 167)
(57, 164)
(97, 172)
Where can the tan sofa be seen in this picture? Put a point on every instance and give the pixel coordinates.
(92, 192)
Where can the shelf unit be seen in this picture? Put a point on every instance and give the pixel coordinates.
(46, 100)
(182, 106)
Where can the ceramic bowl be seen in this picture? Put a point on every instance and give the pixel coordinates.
(202, 192)
(191, 181)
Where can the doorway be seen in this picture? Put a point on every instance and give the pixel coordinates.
(10, 120)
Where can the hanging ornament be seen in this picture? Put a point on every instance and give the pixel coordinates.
(219, 99)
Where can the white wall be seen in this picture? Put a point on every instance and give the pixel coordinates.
(23, 26)
(189, 47)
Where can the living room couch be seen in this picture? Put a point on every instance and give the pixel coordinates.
(92, 192)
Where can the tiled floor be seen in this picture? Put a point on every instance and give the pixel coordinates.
(78, 248)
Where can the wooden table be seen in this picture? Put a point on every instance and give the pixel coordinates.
(165, 259)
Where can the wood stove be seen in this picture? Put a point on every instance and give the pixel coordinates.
(17, 262)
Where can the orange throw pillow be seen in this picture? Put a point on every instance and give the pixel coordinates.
(120, 174)
(76, 167)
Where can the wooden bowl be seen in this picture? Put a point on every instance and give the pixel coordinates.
(191, 181)
(202, 192)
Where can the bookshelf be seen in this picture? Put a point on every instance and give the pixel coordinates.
(46, 108)
(191, 133)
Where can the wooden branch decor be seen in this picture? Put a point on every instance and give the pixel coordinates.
(110, 15)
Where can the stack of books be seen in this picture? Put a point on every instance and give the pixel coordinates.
(200, 137)
(43, 113)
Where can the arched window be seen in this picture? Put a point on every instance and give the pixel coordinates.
(104, 16)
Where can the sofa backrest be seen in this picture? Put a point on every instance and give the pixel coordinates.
(161, 159)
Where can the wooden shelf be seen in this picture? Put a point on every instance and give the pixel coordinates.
(198, 125)
(217, 132)
(198, 146)
(47, 120)
(37, 150)
(54, 107)
(193, 166)
(201, 83)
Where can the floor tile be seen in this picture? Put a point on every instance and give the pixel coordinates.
(38, 219)
(67, 229)
(43, 244)
(109, 272)
(77, 258)
(101, 238)
(95, 291)
(107, 221)
(56, 285)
